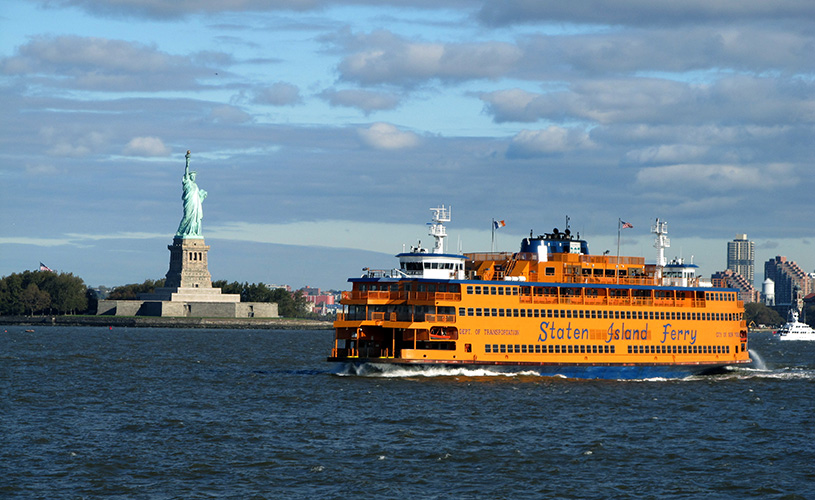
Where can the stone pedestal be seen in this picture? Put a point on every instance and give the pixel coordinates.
(188, 264)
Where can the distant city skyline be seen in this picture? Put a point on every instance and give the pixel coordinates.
(323, 131)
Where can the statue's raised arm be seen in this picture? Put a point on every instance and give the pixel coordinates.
(192, 198)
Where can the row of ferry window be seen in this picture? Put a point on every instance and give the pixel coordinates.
(549, 349)
(679, 349)
(553, 291)
(598, 314)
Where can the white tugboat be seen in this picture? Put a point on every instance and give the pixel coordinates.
(794, 329)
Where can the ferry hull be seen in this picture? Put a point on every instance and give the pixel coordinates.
(376, 366)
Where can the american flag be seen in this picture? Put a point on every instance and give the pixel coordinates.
(43, 267)
(626, 225)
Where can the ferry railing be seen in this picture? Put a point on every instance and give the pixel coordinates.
(440, 318)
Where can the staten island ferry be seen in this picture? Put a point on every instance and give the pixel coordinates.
(550, 308)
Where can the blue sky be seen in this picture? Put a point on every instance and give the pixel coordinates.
(324, 130)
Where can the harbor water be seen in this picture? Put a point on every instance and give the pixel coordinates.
(249, 414)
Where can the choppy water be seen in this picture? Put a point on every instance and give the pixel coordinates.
(167, 413)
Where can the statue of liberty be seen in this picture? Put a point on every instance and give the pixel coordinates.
(193, 197)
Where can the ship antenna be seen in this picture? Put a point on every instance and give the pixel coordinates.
(437, 229)
(660, 228)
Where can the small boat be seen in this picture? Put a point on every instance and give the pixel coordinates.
(794, 329)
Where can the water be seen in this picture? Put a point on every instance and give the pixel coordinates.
(169, 413)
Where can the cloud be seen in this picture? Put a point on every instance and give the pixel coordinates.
(638, 12)
(101, 64)
(73, 142)
(279, 94)
(717, 178)
(364, 100)
(551, 140)
(229, 114)
(659, 101)
(386, 136)
(146, 146)
(384, 58)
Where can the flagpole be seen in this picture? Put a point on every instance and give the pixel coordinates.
(619, 229)
(492, 227)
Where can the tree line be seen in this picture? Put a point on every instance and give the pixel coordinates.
(49, 292)
(42, 292)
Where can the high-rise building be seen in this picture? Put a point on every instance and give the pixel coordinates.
(791, 283)
(741, 257)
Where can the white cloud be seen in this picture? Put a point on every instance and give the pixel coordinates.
(551, 140)
(365, 100)
(279, 94)
(146, 146)
(690, 177)
(386, 136)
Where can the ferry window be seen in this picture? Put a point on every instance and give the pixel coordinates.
(616, 314)
(461, 311)
(550, 271)
(503, 348)
(570, 349)
(523, 313)
(537, 313)
(486, 311)
(582, 349)
(501, 312)
(557, 349)
(594, 349)
(487, 348)
(478, 311)
(612, 349)
(515, 312)
(517, 348)
(605, 314)
(593, 314)
(551, 349)
(514, 290)
(549, 313)
(500, 290)
(478, 289)
(580, 313)
(605, 349)
(469, 289)
(493, 291)
(469, 311)
(523, 348)
(628, 315)
(529, 313)
(629, 349)
(568, 313)
(495, 312)
(537, 348)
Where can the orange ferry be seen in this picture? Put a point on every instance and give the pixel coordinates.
(550, 308)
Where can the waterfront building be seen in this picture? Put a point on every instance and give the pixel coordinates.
(731, 279)
(791, 282)
(741, 257)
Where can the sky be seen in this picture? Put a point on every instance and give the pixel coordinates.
(323, 131)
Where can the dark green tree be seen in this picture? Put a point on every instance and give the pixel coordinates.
(132, 291)
(34, 300)
(759, 314)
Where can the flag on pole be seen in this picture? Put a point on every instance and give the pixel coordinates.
(498, 224)
(626, 225)
(43, 267)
